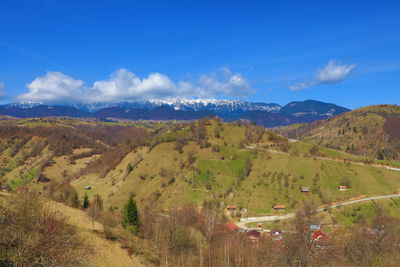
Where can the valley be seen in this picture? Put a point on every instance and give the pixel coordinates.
(234, 172)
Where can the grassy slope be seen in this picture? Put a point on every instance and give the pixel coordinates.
(105, 252)
(274, 178)
(264, 187)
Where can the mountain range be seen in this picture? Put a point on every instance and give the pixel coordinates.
(265, 114)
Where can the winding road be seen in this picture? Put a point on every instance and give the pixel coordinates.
(244, 221)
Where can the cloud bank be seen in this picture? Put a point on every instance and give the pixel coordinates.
(333, 72)
(124, 85)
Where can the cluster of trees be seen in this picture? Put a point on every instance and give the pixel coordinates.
(108, 160)
(199, 237)
(31, 234)
(62, 139)
(112, 135)
(199, 132)
(63, 192)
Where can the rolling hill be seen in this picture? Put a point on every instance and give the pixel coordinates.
(371, 131)
(207, 160)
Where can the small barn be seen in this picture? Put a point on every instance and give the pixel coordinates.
(231, 208)
(342, 188)
(5, 188)
(279, 207)
(304, 189)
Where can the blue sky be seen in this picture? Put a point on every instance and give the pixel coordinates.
(345, 52)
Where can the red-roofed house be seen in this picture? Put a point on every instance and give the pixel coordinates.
(319, 236)
(231, 226)
(253, 235)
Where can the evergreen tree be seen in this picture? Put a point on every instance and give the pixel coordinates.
(85, 203)
(130, 216)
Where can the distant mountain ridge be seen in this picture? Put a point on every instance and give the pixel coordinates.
(265, 114)
(218, 105)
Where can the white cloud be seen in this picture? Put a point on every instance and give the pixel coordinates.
(333, 72)
(224, 82)
(124, 85)
(2, 93)
(53, 87)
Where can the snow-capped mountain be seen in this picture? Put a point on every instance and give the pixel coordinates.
(266, 114)
(216, 105)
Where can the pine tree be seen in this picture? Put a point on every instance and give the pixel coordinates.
(85, 203)
(130, 216)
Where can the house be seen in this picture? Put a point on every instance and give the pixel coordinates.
(253, 235)
(244, 210)
(315, 227)
(88, 187)
(279, 207)
(304, 189)
(260, 225)
(342, 188)
(231, 208)
(5, 188)
(232, 226)
(276, 234)
(221, 157)
(319, 236)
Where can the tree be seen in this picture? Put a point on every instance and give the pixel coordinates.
(95, 209)
(248, 167)
(109, 220)
(85, 203)
(129, 169)
(130, 216)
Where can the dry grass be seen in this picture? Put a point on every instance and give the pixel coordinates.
(106, 252)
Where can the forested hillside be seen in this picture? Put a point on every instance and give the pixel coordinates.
(370, 131)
